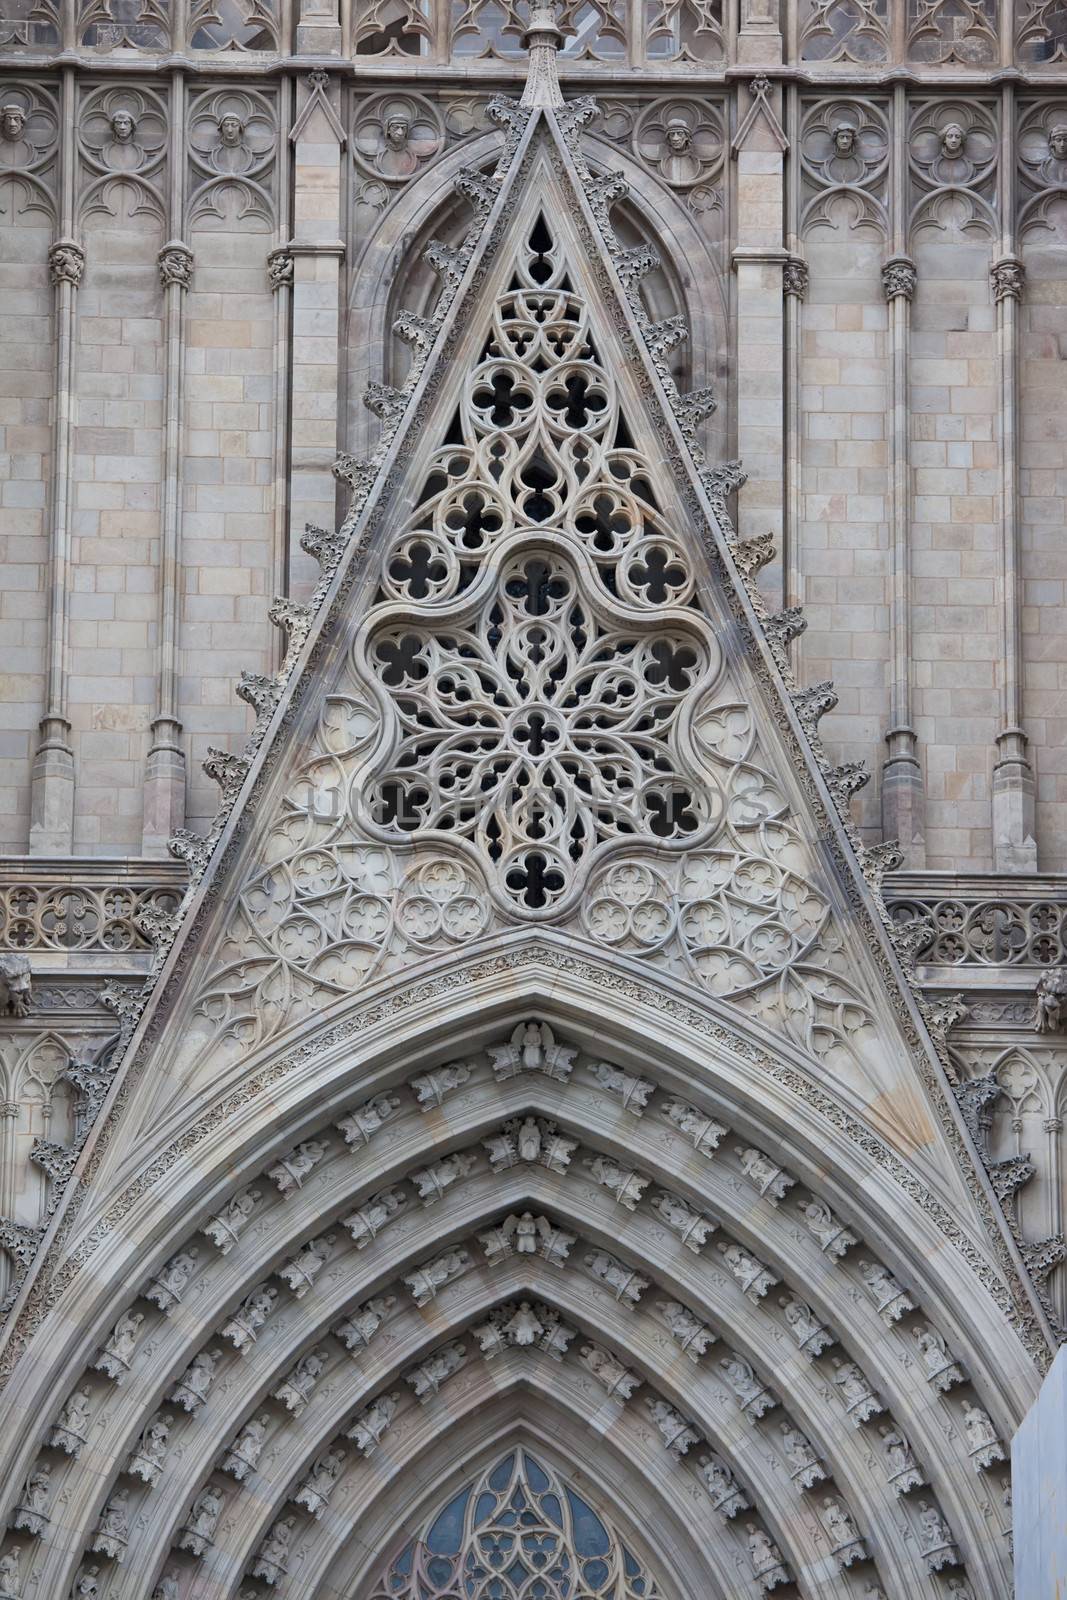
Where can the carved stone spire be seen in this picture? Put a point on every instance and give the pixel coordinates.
(542, 39)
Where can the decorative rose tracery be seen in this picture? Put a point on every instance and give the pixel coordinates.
(518, 1533)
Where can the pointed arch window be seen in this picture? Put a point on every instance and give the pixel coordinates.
(519, 1532)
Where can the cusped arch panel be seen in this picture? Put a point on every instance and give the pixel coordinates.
(616, 1106)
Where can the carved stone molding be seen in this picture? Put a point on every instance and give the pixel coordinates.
(66, 262)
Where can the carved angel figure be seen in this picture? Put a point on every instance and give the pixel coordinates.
(935, 1538)
(626, 1285)
(532, 1048)
(433, 1181)
(632, 1091)
(244, 1453)
(727, 1496)
(885, 1291)
(425, 1281)
(770, 1179)
(368, 1428)
(832, 1236)
(112, 1532)
(983, 1446)
(623, 1182)
(191, 1390)
(115, 1357)
(225, 1229)
(359, 1329)
(301, 1272)
(752, 1396)
(243, 1326)
(765, 1558)
(692, 1227)
(689, 1332)
(751, 1274)
(295, 1391)
(530, 1140)
(31, 1513)
(901, 1468)
(199, 1528)
(427, 1378)
(271, 1560)
(526, 1235)
(315, 1491)
(71, 1427)
(942, 1368)
(805, 1327)
(615, 1379)
(431, 1088)
(168, 1286)
(845, 1541)
(366, 1223)
(288, 1174)
(10, 1574)
(703, 1132)
(678, 1434)
(805, 1468)
(149, 1453)
(861, 1402)
(360, 1126)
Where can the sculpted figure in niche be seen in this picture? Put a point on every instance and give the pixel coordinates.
(397, 128)
(1052, 998)
(679, 135)
(844, 139)
(231, 130)
(31, 1513)
(1057, 142)
(12, 123)
(246, 1448)
(10, 1578)
(952, 140)
(73, 1423)
(86, 1586)
(123, 126)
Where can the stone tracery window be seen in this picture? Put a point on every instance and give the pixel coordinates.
(517, 1533)
(542, 717)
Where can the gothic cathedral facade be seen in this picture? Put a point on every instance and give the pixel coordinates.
(533, 922)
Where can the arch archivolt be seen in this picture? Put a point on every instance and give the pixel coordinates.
(613, 1106)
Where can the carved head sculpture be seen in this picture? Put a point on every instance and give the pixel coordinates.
(679, 135)
(231, 130)
(952, 137)
(844, 137)
(1057, 141)
(12, 122)
(397, 128)
(122, 126)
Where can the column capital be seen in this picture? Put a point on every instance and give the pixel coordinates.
(175, 264)
(66, 262)
(795, 278)
(1007, 278)
(899, 277)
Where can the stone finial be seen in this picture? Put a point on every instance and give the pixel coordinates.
(542, 40)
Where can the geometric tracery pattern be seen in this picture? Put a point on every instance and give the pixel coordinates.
(517, 1533)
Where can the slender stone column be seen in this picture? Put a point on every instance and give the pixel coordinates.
(1014, 842)
(758, 260)
(903, 808)
(164, 787)
(52, 777)
(795, 287)
(317, 251)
